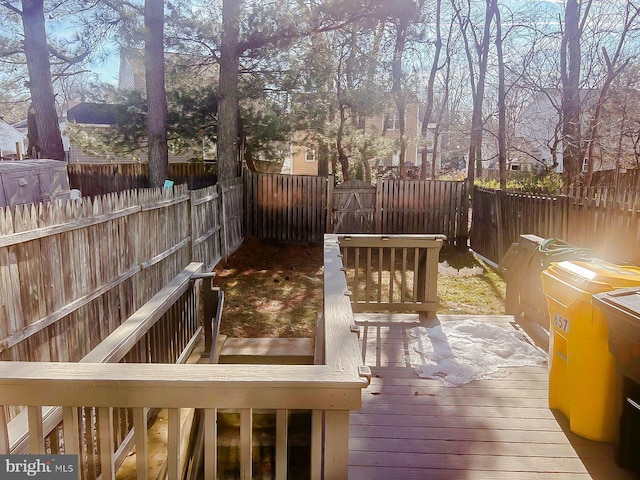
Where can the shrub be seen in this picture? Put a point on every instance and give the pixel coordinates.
(531, 182)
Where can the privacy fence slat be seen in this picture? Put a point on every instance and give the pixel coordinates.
(99, 179)
(304, 208)
(286, 208)
(418, 207)
(602, 219)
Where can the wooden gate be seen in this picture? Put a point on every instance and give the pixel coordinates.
(354, 207)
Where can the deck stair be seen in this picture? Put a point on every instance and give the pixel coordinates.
(279, 351)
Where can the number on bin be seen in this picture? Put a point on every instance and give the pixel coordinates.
(561, 322)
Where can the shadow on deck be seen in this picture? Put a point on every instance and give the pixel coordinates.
(415, 428)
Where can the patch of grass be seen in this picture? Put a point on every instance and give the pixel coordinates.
(473, 295)
(275, 290)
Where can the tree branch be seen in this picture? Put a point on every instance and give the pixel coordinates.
(12, 8)
(65, 58)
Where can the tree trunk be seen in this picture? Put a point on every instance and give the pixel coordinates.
(323, 158)
(397, 90)
(36, 52)
(342, 155)
(32, 134)
(502, 109)
(156, 94)
(228, 154)
(570, 104)
(424, 131)
(477, 125)
(441, 114)
(474, 166)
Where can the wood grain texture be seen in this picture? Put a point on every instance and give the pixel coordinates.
(415, 428)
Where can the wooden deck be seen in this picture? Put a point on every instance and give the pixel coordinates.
(415, 428)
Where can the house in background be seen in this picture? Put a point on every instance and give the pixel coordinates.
(538, 134)
(93, 118)
(180, 70)
(9, 137)
(387, 125)
(303, 160)
(303, 157)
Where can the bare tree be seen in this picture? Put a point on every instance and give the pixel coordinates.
(614, 66)
(426, 119)
(502, 109)
(570, 64)
(480, 46)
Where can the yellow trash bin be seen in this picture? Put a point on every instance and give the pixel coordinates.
(581, 369)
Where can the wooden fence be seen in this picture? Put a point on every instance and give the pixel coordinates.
(302, 208)
(286, 207)
(100, 179)
(71, 272)
(605, 220)
(414, 206)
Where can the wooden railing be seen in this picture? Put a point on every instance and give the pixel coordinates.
(164, 330)
(329, 390)
(392, 272)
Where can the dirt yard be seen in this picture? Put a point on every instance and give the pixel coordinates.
(275, 290)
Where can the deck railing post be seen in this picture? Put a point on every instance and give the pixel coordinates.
(336, 445)
(5, 447)
(105, 436)
(36, 430)
(246, 437)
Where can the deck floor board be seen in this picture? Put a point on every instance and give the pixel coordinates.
(500, 428)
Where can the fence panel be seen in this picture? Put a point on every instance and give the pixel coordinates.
(294, 208)
(598, 218)
(286, 207)
(206, 226)
(100, 179)
(72, 271)
(232, 215)
(415, 206)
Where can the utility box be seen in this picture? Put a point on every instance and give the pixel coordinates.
(622, 311)
(33, 181)
(581, 369)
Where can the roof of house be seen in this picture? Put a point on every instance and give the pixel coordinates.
(8, 137)
(93, 113)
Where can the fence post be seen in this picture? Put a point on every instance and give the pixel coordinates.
(499, 197)
(562, 212)
(378, 212)
(330, 180)
(192, 228)
(464, 217)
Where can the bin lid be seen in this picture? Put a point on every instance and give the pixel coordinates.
(625, 301)
(596, 275)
